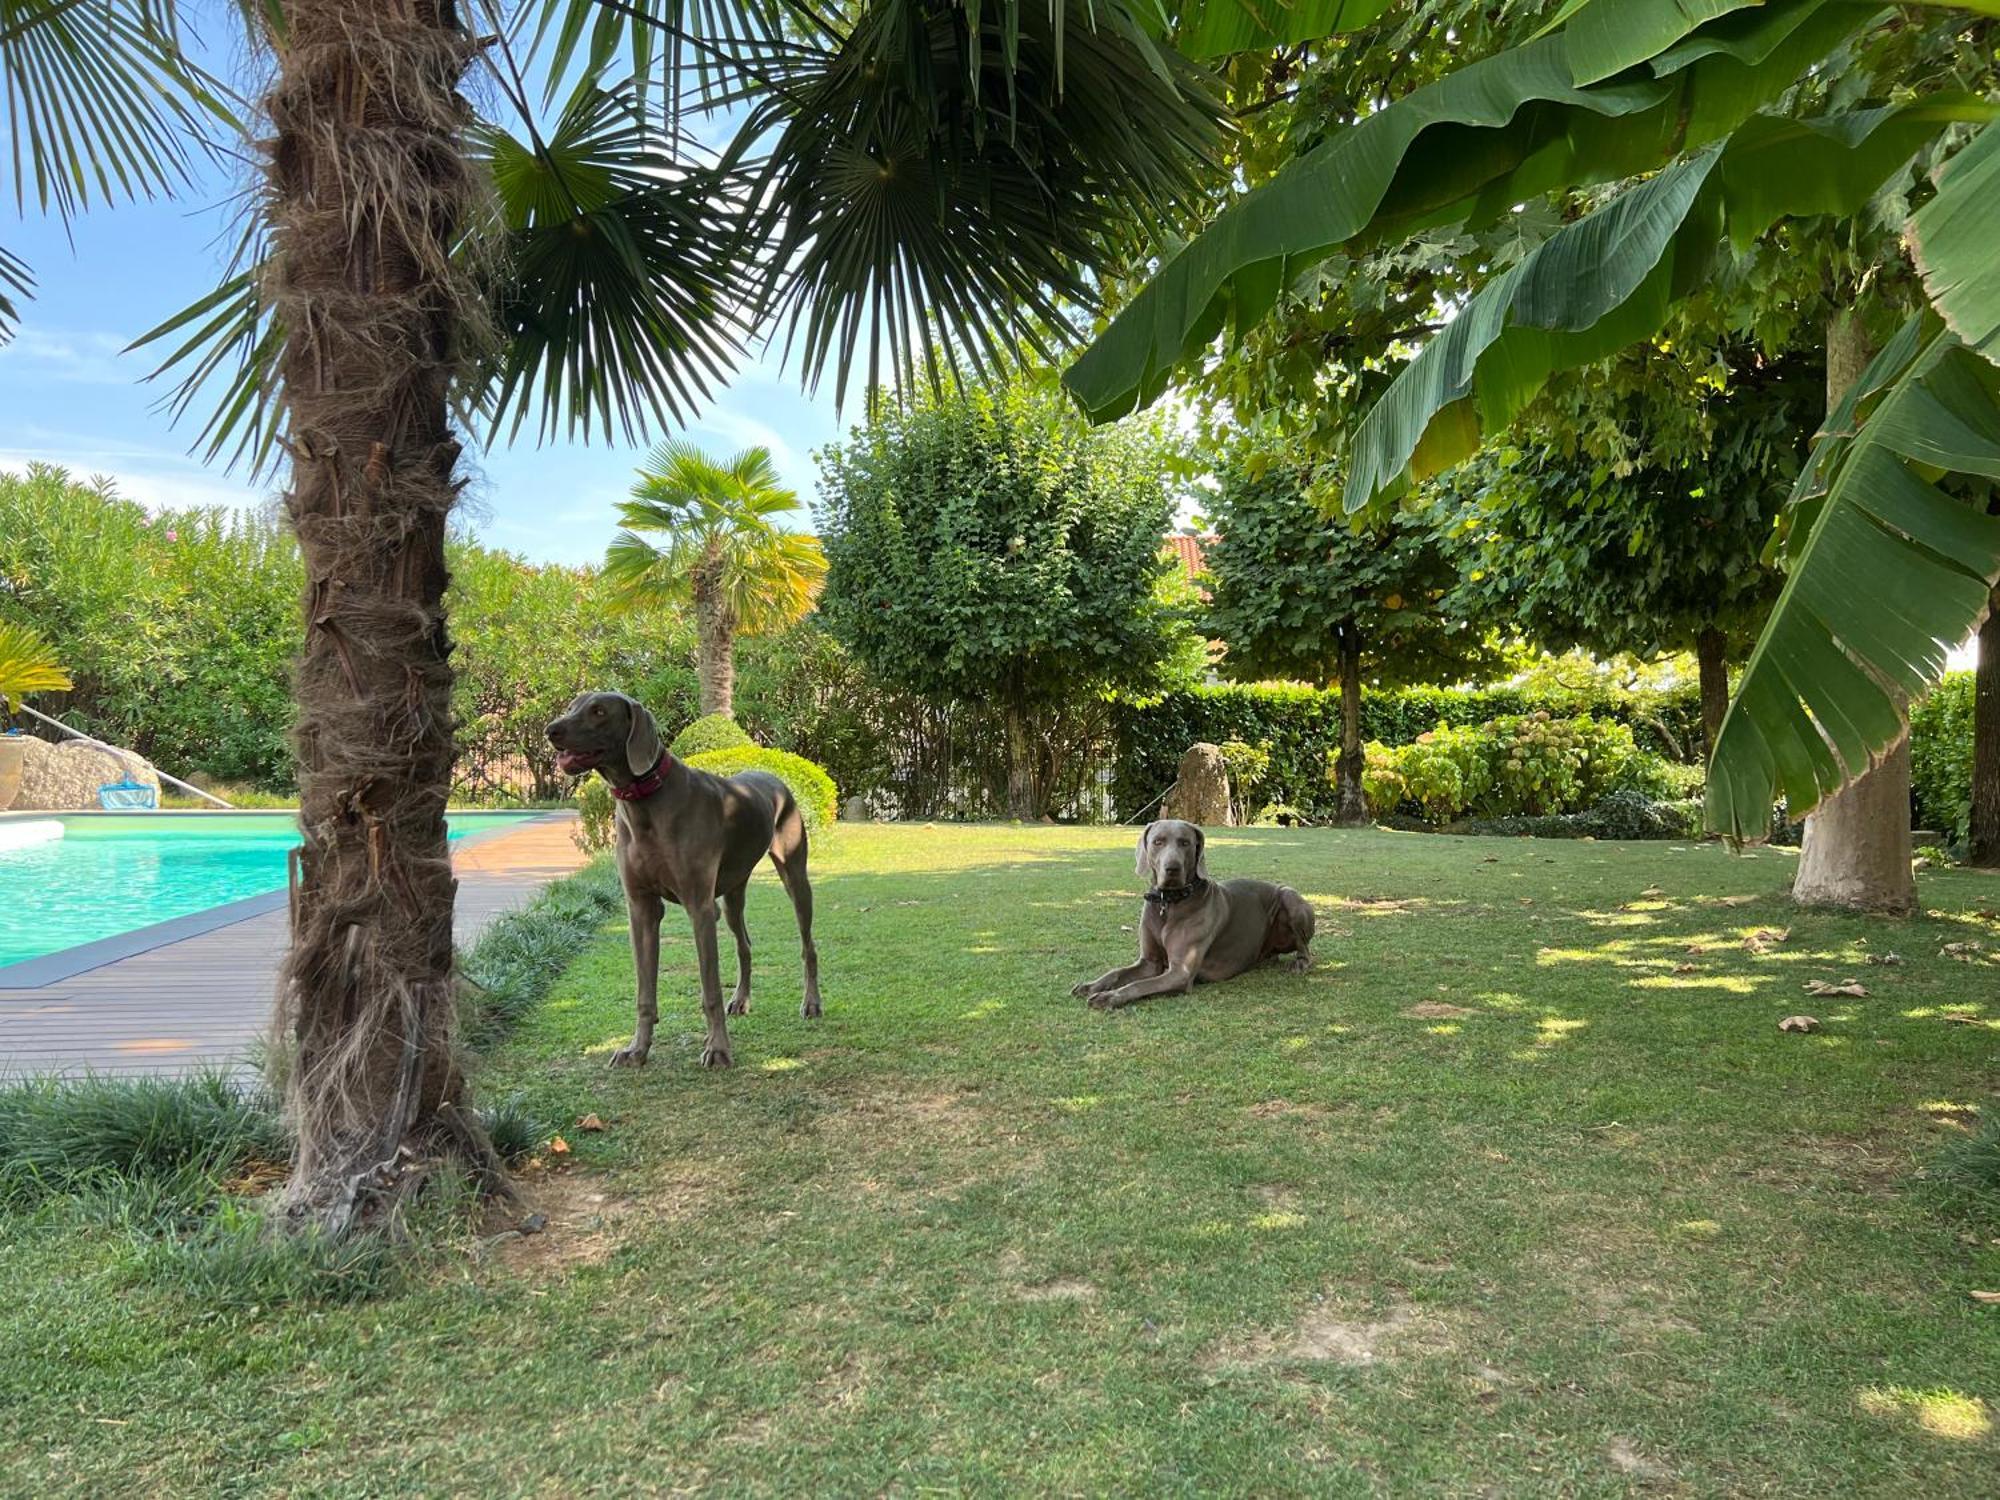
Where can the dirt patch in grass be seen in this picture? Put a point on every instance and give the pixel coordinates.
(583, 1219)
(1438, 1010)
(1333, 1333)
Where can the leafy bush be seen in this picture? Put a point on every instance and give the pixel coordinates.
(1297, 724)
(60, 1135)
(1381, 782)
(1941, 756)
(710, 732)
(817, 797)
(1523, 765)
(1247, 766)
(1621, 815)
(594, 810)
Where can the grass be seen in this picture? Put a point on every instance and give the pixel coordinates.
(1587, 1223)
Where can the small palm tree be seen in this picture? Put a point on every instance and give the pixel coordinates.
(722, 553)
(27, 665)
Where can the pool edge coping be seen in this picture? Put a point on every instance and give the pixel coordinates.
(49, 969)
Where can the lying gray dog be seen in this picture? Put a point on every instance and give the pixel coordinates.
(688, 837)
(1199, 929)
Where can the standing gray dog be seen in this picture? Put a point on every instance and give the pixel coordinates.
(688, 837)
(1198, 929)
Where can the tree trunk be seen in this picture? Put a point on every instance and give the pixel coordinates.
(1713, 670)
(1856, 852)
(1024, 797)
(367, 188)
(1983, 836)
(715, 644)
(1351, 809)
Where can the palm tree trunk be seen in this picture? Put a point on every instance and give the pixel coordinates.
(367, 189)
(1856, 852)
(1351, 810)
(1712, 669)
(715, 644)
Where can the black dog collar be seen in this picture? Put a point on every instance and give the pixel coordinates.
(1173, 895)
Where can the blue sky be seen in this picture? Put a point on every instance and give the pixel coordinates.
(68, 396)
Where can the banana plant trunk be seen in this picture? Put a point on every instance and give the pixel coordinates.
(1351, 804)
(715, 644)
(367, 190)
(1856, 852)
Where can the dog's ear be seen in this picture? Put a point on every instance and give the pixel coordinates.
(642, 741)
(1139, 865)
(1200, 855)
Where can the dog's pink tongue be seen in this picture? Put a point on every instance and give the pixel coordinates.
(573, 762)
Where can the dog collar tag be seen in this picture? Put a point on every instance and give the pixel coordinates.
(646, 785)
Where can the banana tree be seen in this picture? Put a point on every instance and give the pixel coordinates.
(1701, 98)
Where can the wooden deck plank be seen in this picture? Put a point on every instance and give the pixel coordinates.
(203, 1001)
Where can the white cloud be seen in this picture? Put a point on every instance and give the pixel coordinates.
(69, 355)
(158, 479)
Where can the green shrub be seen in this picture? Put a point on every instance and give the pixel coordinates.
(1621, 815)
(515, 1129)
(817, 797)
(1381, 782)
(1296, 725)
(709, 732)
(1247, 766)
(1941, 757)
(1518, 766)
(63, 1135)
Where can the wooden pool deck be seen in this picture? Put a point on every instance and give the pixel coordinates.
(204, 1001)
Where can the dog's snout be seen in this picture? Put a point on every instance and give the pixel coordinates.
(554, 732)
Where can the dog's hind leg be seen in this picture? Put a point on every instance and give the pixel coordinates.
(788, 857)
(732, 908)
(1298, 916)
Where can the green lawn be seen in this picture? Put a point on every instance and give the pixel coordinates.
(1596, 1228)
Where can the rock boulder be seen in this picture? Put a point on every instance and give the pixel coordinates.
(65, 777)
(1201, 795)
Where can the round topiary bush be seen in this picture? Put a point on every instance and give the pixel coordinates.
(817, 797)
(709, 732)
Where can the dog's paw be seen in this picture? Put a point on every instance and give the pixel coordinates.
(740, 1006)
(1302, 964)
(810, 1009)
(713, 1056)
(1103, 1001)
(1082, 989)
(631, 1055)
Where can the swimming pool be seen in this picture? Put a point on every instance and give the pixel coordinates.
(68, 879)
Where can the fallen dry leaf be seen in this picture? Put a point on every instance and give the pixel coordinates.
(558, 1146)
(1887, 960)
(1652, 893)
(1799, 1023)
(1987, 1297)
(1844, 987)
(1695, 948)
(1960, 1018)
(1964, 953)
(1436, 1010)
(1687, 968)
(590, 1122)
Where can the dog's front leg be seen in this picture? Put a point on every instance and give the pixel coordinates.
(715, 1051)
(644, 913)
(1177, 979)
(1145, 968)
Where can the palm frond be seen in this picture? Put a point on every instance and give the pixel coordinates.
(101, 102)
(622, 276)
(27, 665)
(17, 284)
(1890, 573)
(943, 184)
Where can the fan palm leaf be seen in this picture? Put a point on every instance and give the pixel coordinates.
(27, 665)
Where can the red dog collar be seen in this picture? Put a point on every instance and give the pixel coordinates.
(646, 785)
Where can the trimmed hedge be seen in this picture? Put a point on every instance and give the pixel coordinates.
(710, 732)
(817, 797)
(1299, 724)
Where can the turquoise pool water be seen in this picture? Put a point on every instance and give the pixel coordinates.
(111, 875)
